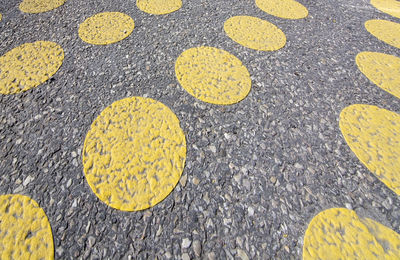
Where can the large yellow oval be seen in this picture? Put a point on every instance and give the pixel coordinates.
(382, 69)
(134, 153)
(25, 231)
(106, 28)
(391, 7)
(386, 31)
(288, 9)
(159, 7)
(373, 135)
(29, 65)
(213, 75)
(255, 33)
(39, 6)
(339, 233)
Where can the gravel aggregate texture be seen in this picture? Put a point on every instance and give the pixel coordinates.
(256, 172)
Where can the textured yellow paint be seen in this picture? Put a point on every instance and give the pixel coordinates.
(386, 31)
(255, 33)
(29, 65)
(213, 75)
(288, 9)
(1, 17)
(39, 6)
(159, 6)
(339, 233)
(134, 153)
(382, 69)
(25, 231)
(391, 7)
(373, 135)
(106, 28)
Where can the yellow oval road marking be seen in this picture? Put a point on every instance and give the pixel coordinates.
(386, 31)
(106, 28)
(29, 65)
(134, 154)
(372, 133)
(288, 9)
(382, 69)
(391, 7)
(255, 33)
(25, 231)
(39, 6)
(159, 7)
(339, 233)
(213, 75)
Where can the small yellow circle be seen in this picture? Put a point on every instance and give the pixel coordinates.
(213, 75)
(372, 133)
(391, 7)
(288, 9)
(386, 31)
(382, 69)
(255, 33)
(25, 231)
(29, 65)
(106, 28)
(339, 233)
(158, 7)
(134, 153)
(39, 6)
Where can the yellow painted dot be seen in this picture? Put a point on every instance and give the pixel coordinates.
(339, 233)
(288, 9)
(373, 135)
(134, 153)
(159, 6)
(106, 28)
(39, 6)
(29, 65)
(382, 69)
(386, 31)
(213, 75)
(1, 17)
(255, 33)
(25, 231)
(391, 7)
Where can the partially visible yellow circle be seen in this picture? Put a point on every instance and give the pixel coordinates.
(25, 231)
(372, 133)
(134, 153)
(106, 28)
(340, 233)
(39, 6)
(158, 7)
(29, 65)
(386, 31)
(1, 17)
(213, 75)
(255, 33)
(288, 9)
(382, 69)
(391, 7)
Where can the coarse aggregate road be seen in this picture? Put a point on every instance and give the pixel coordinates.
(198, 129)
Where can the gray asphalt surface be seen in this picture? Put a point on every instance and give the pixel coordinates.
(256, 172)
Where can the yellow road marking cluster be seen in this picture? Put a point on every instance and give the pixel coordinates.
(391, 7)
(213, 75)
(373, 135)
(25, 231)
(339, 233)
(39, 6)
(159, 7)
(29, 65)
(106, 28)
(288, 9)
(134, 153)
(386, 31)
(255, 33)
(382, 69)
